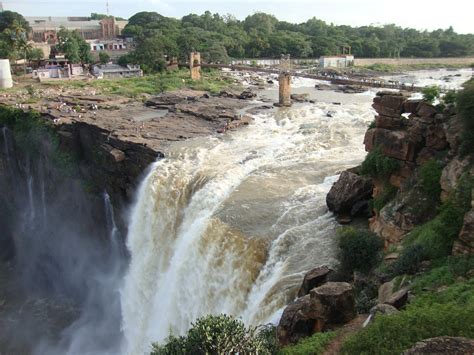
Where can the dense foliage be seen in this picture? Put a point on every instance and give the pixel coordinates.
(448, 311)
(359, 249)
(377, 165)
(74, 47)
(262, 35)
(220, 334)
(430, 93)
(465, 108)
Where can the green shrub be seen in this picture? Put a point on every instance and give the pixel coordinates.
(465, 109)
(359, 250)
(409, 260)
(372, 125)
(446, 313)
(437, 236)
(376, 164)
(450, 97)
(430, 93)
(313, 345)
(220, 334)
(430, 174)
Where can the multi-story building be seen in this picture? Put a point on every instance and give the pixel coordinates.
(45, 29)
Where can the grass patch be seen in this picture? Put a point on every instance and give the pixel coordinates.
(212, 81)
(313, 345)
(430, 174)
(437, 312)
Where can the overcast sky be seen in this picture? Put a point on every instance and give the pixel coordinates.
(420, 14)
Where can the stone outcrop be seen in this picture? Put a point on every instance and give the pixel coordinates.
(382, 309)
(412, 132)
(348, 192)
(442, 345)
(464, 244)
(326, 307)
(314, 278)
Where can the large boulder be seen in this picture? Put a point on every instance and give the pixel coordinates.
(389, 104)
(326, 306)
(442, 345)
(381, 309)
(398, 299)
(314, 278)
(348, 190)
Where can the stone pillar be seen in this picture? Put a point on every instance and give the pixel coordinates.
(195, 65)
(284, 90)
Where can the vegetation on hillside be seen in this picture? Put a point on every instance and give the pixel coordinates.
(221, 334)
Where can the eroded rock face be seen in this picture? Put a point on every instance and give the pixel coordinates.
(314, 278)
(450, 176)
(394, 144)
(326, 306)
(442, 345)
(348, 190)
(464, 244)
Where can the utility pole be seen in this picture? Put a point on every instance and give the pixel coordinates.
(107, 5)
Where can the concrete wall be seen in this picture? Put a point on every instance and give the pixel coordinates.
(401, 61)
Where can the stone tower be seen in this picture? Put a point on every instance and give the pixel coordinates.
(195, 65)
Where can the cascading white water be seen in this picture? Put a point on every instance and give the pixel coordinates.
(230, 225)
(112, 230)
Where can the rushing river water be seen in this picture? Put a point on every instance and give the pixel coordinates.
(230, 224)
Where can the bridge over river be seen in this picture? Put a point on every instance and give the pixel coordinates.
(336, 79)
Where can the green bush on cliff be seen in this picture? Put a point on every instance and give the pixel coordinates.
(385, 197)
(430, 93)
(359, 250)
(377, 165)
(465, 108)
(221, 334)
(446, 313)
(313, 345)
(437, 236)
(430, 174)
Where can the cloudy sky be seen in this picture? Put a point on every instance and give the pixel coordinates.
(420, 14)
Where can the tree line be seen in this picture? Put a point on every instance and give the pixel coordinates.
(261, 35)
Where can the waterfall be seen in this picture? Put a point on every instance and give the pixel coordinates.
(112, 229)
(225, 225)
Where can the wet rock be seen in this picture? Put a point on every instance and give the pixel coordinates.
(299, 97)
(326, 306)
(348, 190)
(314, 278)
(247, 94)
(442, 345)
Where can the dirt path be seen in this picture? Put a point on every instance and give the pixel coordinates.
(334, 347)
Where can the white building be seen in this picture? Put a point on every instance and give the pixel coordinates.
(337, 61)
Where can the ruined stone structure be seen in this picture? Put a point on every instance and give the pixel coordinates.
(195, 65)
(284, 81)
